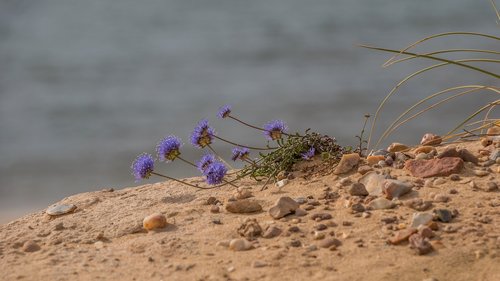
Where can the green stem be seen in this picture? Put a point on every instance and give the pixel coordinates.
(246, 146)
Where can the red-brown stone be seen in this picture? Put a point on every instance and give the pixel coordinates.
(440, 167)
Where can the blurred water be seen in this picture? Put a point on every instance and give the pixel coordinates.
(87, 85)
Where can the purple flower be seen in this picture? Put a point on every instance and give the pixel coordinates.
(202, 135)
(205, 161)
(168, 148)
(224, 111)
(215, 173)
(308, 154)
(143, 166)
(239, 153)
(274, 129)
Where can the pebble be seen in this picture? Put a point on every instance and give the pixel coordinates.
(300, 212)
(438, 181)
(154, 221)
(240, 245)
(271, 232)
(402, 236)
(397, 147)
(374, 159)
(467, 156)
(242, 194)
(423, 156)
(373, 183)
(320, 226)
(428, 183)
(381, 152)
(425, 149)
(250, 229)
(491, 186)
(357, 189)
(420, 218)
(454, 177)
(214, 209)
(493, 131)
(258, 264)
(450, 151)
(358, 208)
(485, 142)
(321, 216)
(434, 167)
(480, 173)
(364, 169)
(243, 206)
(318, 235)
(425, 231)
(418, 204)
(329, 242)
(420, 244)
(430, 139)
(294, 229)
(212, 201)
(381, 203)
(283, 206)
(30, 246)
(443, 215)
(345, 181)
(281, 183)
(295, 243)
(395, 188)
(441, 198)
(301, 200)
(61, 209)
(347, 162)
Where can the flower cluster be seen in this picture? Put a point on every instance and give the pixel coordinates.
(240, 153)
(203, 134)
(308, 155)
(224, 111)
(143, 166)
(215, 173)
(275, 129)
(168, 149)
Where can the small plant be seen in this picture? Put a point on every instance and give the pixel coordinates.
(278, 156)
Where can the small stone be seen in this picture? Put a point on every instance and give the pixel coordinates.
(395, 188)
(423, 156)
(397, 147)
(329, 242)
(212, 201)
(418, 204)
(243, 206)
(450, 151)
(345, 181)
(425, 231)
(467, 156)
(374, 159)
(358, 208)
(430, 279)
(301, 200)
(441, 198)
(99, 245)
(420, 219)
(347, 162)
(491, 186)
(282, 207)
(250, 229)
(259, 264)
(240, 245)
(420, 244)
(364, 169)
(380, 204)
(454, 177)
(428, 183)
(431, 139)
(242, 194)
(320, 227)
(299, 212)
(493, 131)
(59, 226)
(294, 229)
(434, 167)
(321, 216)
(214, 209)
(443, 215)
(486, 142)
(373, 183)
(439, 181)
(357, 189)
(30, 246)
(402, 236)
(480, 173)
(281, 183)
(271, 232)
(425, 149)
(61, 209)
(473, 185)
(381, 152)
(318, 235)
(295, 243)
(154, 221)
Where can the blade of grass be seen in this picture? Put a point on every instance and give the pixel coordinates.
(446, 51)
(474, 115)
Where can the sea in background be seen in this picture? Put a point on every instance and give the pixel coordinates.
(85, 86)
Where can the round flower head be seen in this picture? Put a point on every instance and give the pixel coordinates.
(239, 153)
(274, 129)
(308, 154)
(143, 166)
(215, 173)
(224, 111)
(168, 148)
(205, 161)
(202, 135)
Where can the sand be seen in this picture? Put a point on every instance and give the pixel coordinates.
(103, 238)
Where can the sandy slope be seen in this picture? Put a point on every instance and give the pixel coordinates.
(104, 239)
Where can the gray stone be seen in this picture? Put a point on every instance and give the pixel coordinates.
(420, 219)
(380, 204)
(357, 189)
(373, 183)
(60, 209)
(271, 232)
(443, 215)
(395, 188)
(282, 207)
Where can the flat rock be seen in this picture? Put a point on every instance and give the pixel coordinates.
(271, 232)
(329, 242)
(381, 203)
(395, 188)
(448, 152)
(374, 159)
(240, 245)
(357, 189)
(402, 236)
(420, 219)
(373, 183)
(347, 162)
(60, 209)
(243, 206)
(420, 244)
(397, 147)
(283, 206)
(435, 167)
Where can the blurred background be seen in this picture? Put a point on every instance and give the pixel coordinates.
(85, 86)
